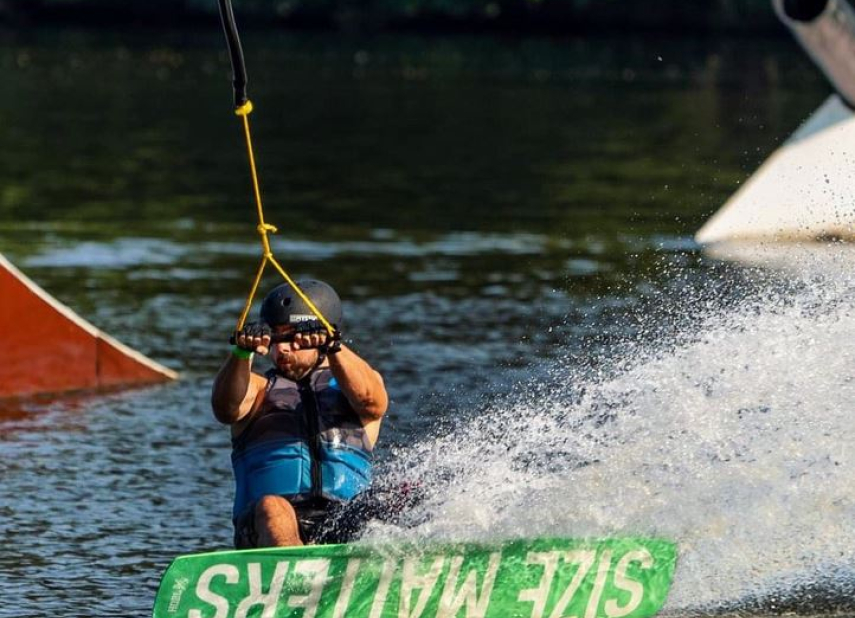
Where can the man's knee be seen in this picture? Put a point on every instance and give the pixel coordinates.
(276, 522)
(274, 507)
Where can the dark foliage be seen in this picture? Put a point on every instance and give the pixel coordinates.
(446, 15)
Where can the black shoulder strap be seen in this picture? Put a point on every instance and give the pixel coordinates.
(313, 424)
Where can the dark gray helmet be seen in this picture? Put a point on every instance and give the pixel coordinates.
(283, 306)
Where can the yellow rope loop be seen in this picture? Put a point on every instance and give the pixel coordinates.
(265, 228)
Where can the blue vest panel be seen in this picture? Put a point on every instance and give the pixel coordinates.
(346, 471)
(283, 451)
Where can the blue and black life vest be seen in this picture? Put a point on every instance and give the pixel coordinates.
(305, 442)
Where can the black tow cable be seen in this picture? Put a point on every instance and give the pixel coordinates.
(227, 15)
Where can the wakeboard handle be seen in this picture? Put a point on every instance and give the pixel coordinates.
(301, 328)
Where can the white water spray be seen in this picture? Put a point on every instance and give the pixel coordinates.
(736, 440)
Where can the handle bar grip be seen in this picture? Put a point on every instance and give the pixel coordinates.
(301, 328)
(275, 338)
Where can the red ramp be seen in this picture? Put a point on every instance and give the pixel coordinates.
(47, 348)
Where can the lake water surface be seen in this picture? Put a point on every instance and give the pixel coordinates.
(510, 224)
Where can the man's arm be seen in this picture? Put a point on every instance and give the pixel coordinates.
(236, 388)
(361, 384)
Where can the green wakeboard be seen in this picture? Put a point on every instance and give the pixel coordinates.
(538, 578)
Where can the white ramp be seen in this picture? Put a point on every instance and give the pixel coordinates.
(804, 191)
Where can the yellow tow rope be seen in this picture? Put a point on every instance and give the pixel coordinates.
(243, 107)
(264, 229)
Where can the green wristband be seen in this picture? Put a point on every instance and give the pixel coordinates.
(241, 353)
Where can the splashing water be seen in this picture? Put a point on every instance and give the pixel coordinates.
(734, 438)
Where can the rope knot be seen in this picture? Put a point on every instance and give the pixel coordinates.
(264, 228)
(245, 109)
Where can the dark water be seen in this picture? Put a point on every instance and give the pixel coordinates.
(487, 207)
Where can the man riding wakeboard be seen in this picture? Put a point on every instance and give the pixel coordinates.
(303, 433)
